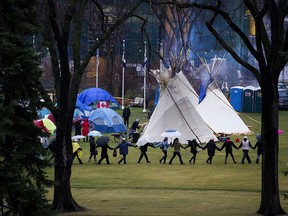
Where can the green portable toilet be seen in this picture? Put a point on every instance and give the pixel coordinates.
(257, 100)
(248, 99)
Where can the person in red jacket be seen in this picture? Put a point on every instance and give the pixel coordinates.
(85, 129)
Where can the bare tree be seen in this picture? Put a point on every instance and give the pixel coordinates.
(63, 25)
(176, 27)
(270, 51)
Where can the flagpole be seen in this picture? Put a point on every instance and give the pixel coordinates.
(97, 65)
(145, 63)
(123, 72)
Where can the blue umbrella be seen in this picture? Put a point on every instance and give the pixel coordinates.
(91, 96)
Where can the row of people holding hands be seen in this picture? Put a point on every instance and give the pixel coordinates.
(176, 145)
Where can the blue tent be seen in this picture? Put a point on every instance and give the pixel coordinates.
(91, 96)
(107, 120)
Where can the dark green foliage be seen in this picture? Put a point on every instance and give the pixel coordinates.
(22, 176)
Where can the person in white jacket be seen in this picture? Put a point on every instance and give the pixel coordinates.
(245, 144)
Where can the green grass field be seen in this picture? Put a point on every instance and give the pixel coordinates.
(162, 189)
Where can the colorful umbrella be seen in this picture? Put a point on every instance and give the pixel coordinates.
(45, 124)
(49, 125)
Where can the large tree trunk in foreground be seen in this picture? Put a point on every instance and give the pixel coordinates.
(63, 200)
(270, 202)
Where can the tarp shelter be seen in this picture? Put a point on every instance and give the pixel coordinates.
(107, 120)
(218, 113)
(248, 99)
(176, 110)
(257, 100)
(91, 97)
(236, 94)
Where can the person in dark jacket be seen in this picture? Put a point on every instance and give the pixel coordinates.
(228, 144)
(126, 115)
(135, 125)
(93, 149)
(193, 149)
(123, 146)
(133, 134)
(143, 150)
(104, 153)
(259, 147)
(78, 128)
(211, 147)
(177, 145)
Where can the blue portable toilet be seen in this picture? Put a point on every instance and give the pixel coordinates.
(236, 97)
(248, 99)
(257, 100)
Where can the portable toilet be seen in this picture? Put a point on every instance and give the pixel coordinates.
(257, 100)
(236, 97)
(248, 99)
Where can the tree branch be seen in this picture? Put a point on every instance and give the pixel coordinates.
(232, 52)
(108, 33)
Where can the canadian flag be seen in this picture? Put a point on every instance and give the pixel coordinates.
(103, 104)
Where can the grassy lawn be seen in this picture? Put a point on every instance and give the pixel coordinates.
(161, 189)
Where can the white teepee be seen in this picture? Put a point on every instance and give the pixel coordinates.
(218, 113)
(215, 109)
(176, 110)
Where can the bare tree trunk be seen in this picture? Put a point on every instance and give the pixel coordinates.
(63, 200)
(270, 202)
